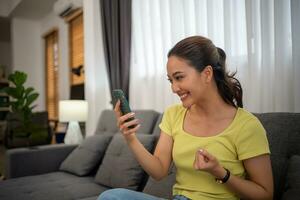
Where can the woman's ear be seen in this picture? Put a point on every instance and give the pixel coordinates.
(208, 73)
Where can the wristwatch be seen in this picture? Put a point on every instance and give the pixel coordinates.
(225, 179)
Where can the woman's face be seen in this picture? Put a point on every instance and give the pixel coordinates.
(189, 84)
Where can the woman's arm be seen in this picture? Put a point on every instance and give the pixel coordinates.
(260, 180)
(157, 165)
(259, 185)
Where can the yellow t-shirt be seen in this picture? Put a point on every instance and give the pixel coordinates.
(244, 138)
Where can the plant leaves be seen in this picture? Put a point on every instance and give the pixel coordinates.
(21, 103)
(11, 91)
(18, 78)
(19, 91)
(28, 91)
(31, 98)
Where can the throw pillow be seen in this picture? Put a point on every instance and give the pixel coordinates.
(86, 156)
(119, 168)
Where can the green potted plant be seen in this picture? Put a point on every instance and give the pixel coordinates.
(20, 120)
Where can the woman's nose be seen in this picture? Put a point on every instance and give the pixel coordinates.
(175, 87)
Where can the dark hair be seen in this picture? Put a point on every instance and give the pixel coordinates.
(201, 52)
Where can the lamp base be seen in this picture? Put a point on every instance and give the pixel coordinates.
(73, 135)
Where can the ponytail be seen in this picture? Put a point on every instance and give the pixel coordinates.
(228, 86)
(201, 52)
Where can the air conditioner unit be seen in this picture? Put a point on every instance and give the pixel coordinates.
(65, 7)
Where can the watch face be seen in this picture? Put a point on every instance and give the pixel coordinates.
(219, 181)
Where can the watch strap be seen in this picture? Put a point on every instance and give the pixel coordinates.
(225, 179)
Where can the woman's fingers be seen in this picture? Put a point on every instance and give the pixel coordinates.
(126, 123)
(117, 109)
(205, 161)
(196, 167)
(123, 119)
(207, 156)
(129, 124)
(132, 130)
(200, 162)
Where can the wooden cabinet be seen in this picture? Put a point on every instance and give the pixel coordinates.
(4, 108)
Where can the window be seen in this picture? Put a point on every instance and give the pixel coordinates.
(76, 48)
(51, 58)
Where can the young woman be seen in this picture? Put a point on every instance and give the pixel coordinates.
(220, 150)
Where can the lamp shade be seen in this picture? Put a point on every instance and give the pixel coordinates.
(73, 110)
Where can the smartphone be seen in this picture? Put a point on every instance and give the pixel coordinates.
(118, 94)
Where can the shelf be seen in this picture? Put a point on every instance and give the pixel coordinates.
(4, 81)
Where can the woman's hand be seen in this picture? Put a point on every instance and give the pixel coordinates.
(207, 162)
(125, 121)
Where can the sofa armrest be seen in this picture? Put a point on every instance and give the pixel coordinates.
(35, 160)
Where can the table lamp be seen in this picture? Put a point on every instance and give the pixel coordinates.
(73, 111)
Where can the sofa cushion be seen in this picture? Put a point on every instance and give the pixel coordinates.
(86, 156)
(162, 188)
(119, 167)
(293, 179)
(156, 129)
(291, 194)
(147, 119)
(107, 122)
(56, 185)
(91, 198)
(279, 168)
(280, 128)
(293, 173)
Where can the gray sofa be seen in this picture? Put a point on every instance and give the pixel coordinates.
(83, 172)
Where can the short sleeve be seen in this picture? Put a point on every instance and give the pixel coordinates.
(252, 141)
(166, 122)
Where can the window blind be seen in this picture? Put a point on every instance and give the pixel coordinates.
(51, 51)
(76, 50)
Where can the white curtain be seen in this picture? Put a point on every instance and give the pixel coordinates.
(260, 38)
(96, 79)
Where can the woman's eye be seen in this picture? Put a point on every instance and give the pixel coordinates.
(178, 78)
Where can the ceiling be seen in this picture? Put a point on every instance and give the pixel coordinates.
(26, 9)
(33, 9)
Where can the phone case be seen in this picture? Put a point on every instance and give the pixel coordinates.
(119, 94)
(124, 105)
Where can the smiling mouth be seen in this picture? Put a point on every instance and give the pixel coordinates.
(183, 96)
